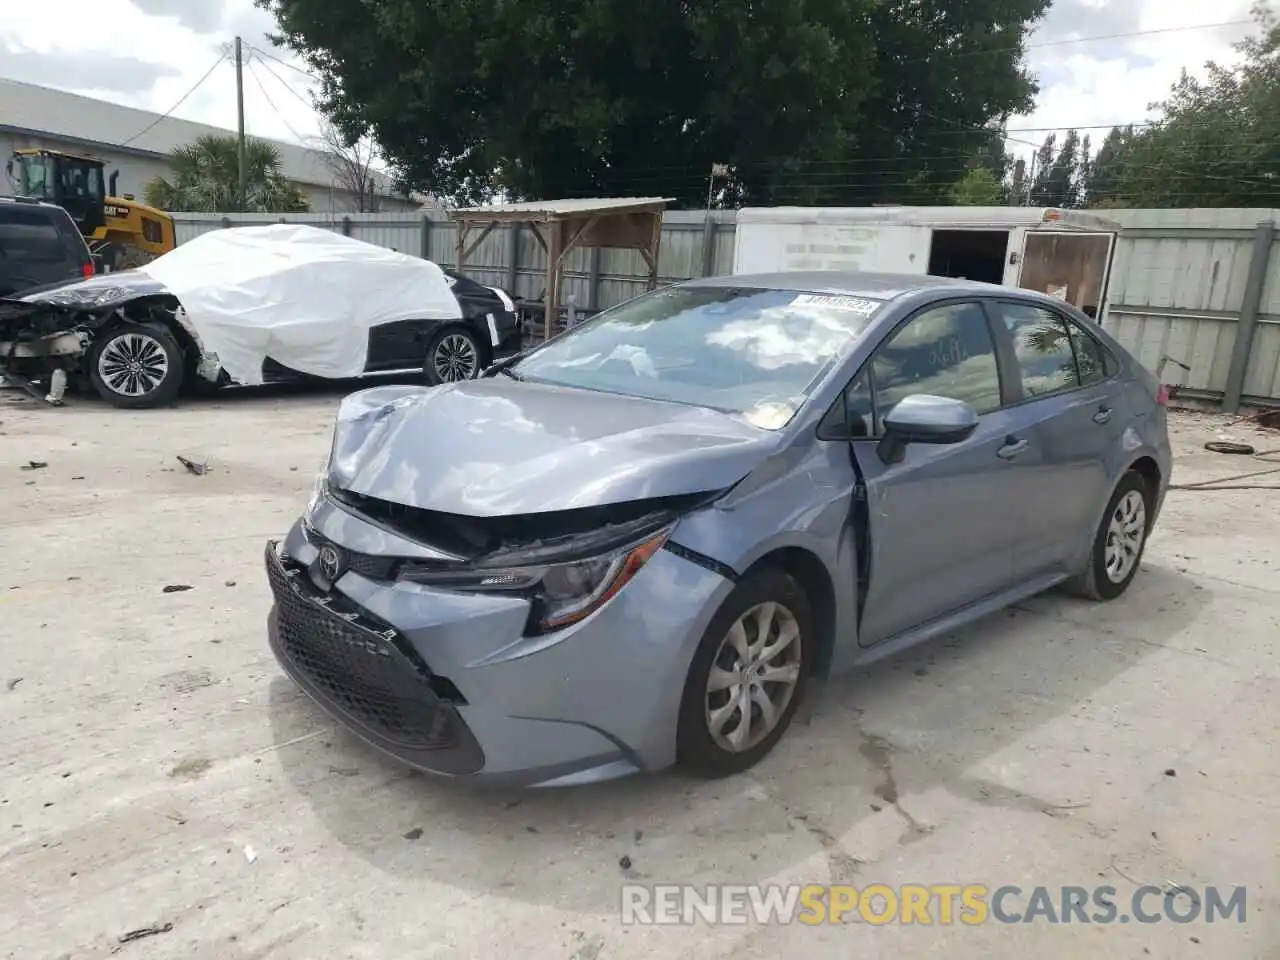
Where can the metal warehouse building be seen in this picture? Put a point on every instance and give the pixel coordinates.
(35, 116)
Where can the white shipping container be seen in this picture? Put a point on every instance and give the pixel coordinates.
(1065, 253)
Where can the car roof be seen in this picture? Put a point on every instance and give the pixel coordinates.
(872, 286)
(30, 203)
(876, 286)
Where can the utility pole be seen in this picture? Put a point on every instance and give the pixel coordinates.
(241, 160)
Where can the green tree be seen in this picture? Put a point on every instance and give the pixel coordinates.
(1105, 171)
(205, 178)
(809, 100)
(978, 188)
(1217, 143)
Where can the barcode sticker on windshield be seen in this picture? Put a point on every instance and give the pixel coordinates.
(858, 305)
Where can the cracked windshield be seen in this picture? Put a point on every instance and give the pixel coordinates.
(754, 354)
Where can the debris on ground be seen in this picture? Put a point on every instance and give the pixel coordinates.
(143, 932)
(625, 862)
(345, 771)
(14, 683)
(249, 853)
(34, 465)
(413, 834)
(590, 949)
(1171, 772)
(191, 769)
(199, 469)
(231, 583)
(177, 588)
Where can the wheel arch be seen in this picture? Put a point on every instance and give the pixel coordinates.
(1147, 467)
(804, 567)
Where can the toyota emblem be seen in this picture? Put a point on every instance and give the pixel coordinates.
(330, 561)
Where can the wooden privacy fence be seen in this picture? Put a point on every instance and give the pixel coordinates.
(1195, 294)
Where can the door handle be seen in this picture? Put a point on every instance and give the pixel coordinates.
(1012, 447)
(1103, 415)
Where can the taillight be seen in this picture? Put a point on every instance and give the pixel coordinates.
(1162, 395)
(88, 270)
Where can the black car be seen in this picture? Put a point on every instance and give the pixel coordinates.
(39, 245)
(128, 337)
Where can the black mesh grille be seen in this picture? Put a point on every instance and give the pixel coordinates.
(357, 664)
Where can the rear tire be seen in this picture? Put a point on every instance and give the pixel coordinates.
(1118, 543)
(729, 675)
(453, 355)
(137, 366)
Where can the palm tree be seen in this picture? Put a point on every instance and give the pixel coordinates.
(206, 179)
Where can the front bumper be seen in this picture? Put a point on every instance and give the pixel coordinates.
(447, 683)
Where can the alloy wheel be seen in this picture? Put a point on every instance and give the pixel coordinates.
(753, 677)
(1127, 527)
(455, 358)
(133, 364)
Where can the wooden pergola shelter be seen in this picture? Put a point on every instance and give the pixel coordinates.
(561, 226)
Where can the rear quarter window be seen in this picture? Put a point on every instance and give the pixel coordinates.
(30, 236)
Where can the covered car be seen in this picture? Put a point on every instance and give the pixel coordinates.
(251, 305)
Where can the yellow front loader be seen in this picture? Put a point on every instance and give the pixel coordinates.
(120, 231)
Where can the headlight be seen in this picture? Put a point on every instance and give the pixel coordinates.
(562, 593)
(93, 297)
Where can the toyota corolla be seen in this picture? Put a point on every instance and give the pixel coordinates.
(636, 544)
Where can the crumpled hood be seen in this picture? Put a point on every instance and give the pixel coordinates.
(499, 447)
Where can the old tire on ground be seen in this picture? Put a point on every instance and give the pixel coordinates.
(752, 665)
(136, 365)
(454, 354)
(1118, 543)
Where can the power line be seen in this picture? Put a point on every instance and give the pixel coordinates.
(1140, 33)
(284, 63)
(181, 100)
(271, 103)
(279, 79)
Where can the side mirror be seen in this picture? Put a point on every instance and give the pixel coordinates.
(922, 418)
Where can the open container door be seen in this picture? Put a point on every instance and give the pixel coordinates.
(1072, 265)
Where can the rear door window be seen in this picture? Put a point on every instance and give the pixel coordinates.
(30, 236)
(1093, 360)
(1042, 342)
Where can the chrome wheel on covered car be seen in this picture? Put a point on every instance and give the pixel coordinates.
(138, 365)
(748, 675)
(454, 355)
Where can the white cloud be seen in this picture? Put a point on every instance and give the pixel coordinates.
(179, 45)
(1101, 83)
(1093, 83)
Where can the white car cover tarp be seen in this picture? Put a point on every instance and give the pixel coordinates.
(303, 296)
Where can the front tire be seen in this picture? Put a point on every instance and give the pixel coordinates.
(454, 354)
(748, 676)
(1118, 544)
(136, 366)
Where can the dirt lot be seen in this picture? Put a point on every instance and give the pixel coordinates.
(157, 769)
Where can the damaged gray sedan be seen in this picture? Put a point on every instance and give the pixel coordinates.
(636, 544)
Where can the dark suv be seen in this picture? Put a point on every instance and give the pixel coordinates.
(39, 245)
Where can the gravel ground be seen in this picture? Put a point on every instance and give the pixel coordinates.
(158, 771)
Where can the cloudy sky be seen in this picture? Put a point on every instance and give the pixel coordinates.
(148, 53)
